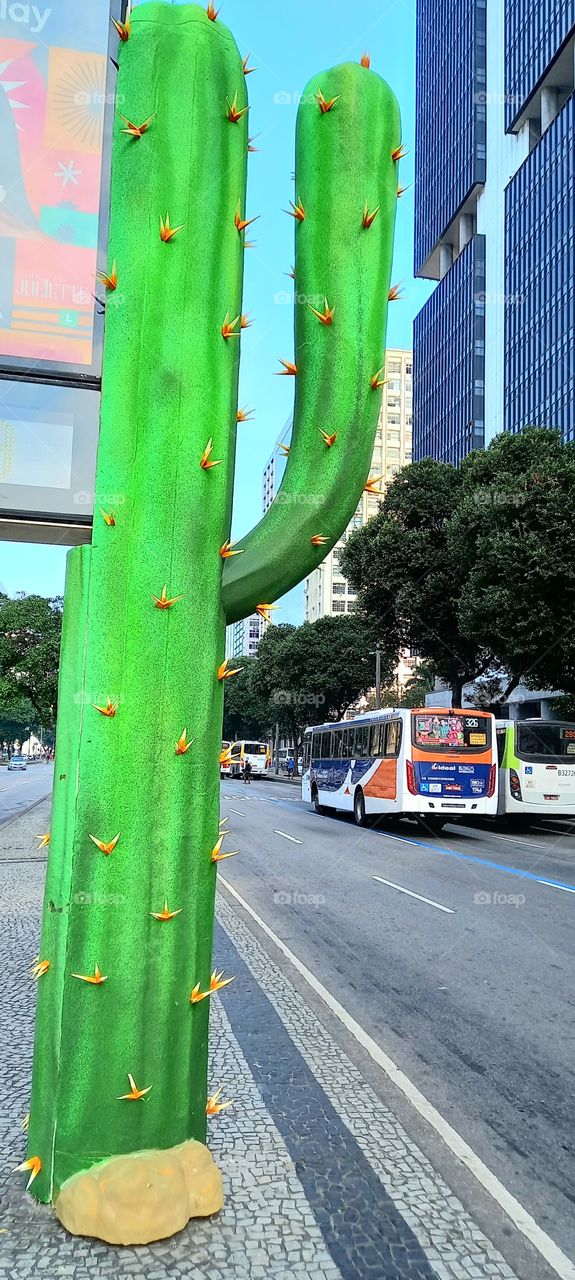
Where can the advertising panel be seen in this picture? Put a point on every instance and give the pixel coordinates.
(55, 89)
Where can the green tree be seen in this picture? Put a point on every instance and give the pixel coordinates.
(247, 712)
(17, 720)
(474, 568)
(407, 576)
(30, 629)
(513, 530)
(315, 672)
(413, 692)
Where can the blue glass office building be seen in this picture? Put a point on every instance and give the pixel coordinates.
(450, 120)
(494, 221)
(540, 284)
(450, 392)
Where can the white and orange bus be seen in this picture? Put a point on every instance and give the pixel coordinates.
(433, 765)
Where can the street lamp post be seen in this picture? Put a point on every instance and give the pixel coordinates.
(377, 654)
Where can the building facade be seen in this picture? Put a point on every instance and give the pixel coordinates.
(243, 638)
(275, 466)
(494, 221)
(326, 590)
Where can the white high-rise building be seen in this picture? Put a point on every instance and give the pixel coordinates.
(326, 590)
(275, 466)
(243, 638)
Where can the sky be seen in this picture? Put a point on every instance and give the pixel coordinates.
(288, 43)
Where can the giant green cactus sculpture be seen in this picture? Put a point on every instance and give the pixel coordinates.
(126, 949)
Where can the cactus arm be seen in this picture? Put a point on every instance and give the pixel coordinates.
(170, 384)
(344, 162)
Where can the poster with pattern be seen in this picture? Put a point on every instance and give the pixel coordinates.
(53, 68)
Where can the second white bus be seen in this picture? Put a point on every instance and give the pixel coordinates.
(536, 769)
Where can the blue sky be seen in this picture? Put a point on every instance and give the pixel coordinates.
(288, 44)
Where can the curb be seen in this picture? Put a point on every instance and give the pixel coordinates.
(8, 821)
(281, 777)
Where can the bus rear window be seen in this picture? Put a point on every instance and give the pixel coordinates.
(446, 732)
(544, 740)
(255, 748)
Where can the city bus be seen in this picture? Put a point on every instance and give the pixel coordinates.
(536, 769)
(225, 760)
(255, 752)
(432, 765)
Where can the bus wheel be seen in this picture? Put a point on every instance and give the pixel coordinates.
(359, 808)
(319, 808)
(431, 826)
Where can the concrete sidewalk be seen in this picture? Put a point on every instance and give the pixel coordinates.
(322, 1182)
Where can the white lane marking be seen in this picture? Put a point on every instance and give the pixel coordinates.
(411, 894)
(402, 839)
(511, 839)
(564, 887)
(238, 811)
(556, 831)
(527, 1225)
(286, 837)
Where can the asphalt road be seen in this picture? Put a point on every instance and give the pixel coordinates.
(455, 954)
(19, 790)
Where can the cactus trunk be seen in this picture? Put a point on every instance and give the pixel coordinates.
(146, 607)
(170, 383)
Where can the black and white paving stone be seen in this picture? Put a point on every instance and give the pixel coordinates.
(321, 1180)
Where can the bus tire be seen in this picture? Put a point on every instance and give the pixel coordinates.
(359, 808)
(319, 808)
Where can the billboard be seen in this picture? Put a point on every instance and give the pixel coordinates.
(56, 94)
(48, 442)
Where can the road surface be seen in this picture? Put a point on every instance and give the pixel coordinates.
(19, 790)
(454, 954)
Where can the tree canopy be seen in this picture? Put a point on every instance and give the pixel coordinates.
(313, 673)
(303, 675)
(30, 630)
(473, 568)
(247, 711)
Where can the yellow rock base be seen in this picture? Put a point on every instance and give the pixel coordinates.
(139, 1198)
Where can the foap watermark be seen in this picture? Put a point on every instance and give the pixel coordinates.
(485, 899)
(293, 898)
(104, 500)
(297, 499)
(95, 98)
(283, 98)
(498, 498)
(296, 698)
(107, 702)
(484, 99)
(82, 899)
(499, 299)
(284, 299)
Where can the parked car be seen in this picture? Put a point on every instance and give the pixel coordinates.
(17, 762)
